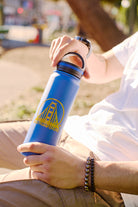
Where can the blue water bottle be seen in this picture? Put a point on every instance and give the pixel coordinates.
(56, 102)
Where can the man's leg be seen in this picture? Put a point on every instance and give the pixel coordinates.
(34, 193)
(11, 135)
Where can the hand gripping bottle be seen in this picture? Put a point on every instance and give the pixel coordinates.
(56, 102)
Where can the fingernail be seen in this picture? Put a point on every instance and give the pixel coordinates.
(53, 63)
(18, 148)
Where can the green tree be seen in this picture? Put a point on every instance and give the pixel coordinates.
(1, 12)
(132, 15)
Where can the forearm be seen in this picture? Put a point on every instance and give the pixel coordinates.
(103, 68)
(62, 169)
(117, 176)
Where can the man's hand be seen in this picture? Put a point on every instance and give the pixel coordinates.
(54, 165)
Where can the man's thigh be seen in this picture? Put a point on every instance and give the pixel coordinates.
(11, 135)
(34, 193)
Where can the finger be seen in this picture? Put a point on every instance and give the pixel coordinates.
(72, 46)
(51, 49)
(60, 42)
(55, 43)
(67, 47)
(86, 74)
(33, 160)
(41, 176)
(53, 46)
(38, 168)
(44, 158)
(35, 147)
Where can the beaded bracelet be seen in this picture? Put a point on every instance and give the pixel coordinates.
(92, 176)
(87, 170)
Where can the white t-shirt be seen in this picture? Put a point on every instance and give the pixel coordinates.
(111, 128)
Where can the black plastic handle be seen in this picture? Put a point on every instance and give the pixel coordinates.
(75, 53)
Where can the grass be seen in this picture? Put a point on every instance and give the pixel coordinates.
(24, 112)
(38, 89)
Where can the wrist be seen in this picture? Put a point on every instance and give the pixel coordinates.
(85, 42)
(81, 172)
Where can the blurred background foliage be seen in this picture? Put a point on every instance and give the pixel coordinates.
(107, 22)
(124, 11)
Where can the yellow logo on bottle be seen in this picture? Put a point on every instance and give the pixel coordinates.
(52, 114)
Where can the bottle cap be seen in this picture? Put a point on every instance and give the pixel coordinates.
(67, 64)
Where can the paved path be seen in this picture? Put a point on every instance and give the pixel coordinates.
(10, 44)
(14, 79)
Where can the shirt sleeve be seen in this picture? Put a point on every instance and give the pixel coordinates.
(124, 50)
